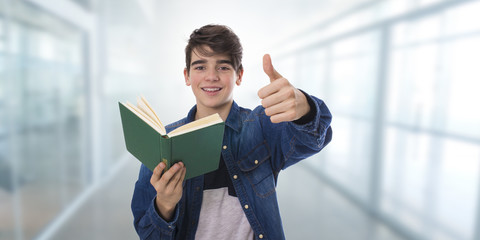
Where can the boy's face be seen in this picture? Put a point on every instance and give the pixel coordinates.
(212, 79)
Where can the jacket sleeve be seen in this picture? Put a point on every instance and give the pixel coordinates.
(291, 142)
(147, 222)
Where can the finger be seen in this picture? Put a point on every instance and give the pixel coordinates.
(267, 91)
(271, 100)
(283, 117)
(157, 172)
(184, 174)
(276, 92)
(272, 88)
(175, 178)
(168, 175)
(182, 177)
(280, 107)
(269, 69)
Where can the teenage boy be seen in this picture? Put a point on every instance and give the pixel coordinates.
(237, 201)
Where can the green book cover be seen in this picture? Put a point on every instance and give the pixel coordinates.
(198, 144)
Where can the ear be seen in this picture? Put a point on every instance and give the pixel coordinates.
(239, 77)
(187, 77)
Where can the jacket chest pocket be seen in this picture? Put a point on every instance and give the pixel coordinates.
(257, 168)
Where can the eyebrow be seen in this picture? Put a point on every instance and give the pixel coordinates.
(203, 61)
(224, 61)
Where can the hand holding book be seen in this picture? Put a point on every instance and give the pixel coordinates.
(169, 188)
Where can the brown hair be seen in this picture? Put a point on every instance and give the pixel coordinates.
(221, 40)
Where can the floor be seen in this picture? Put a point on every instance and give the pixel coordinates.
(318, 213)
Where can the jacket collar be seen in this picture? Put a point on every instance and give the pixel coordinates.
(233, 120)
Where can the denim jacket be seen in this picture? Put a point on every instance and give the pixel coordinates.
(254, 151)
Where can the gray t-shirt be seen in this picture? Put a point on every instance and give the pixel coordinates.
(221, 215)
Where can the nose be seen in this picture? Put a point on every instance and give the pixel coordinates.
(212, 75)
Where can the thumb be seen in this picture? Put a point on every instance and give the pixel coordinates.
(268, 68)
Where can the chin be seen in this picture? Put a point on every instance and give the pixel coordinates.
(215, 105)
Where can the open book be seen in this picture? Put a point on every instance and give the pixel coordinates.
(197, 144)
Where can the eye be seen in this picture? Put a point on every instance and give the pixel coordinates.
(224, 68)
(199, 68)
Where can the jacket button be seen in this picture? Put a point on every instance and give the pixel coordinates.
(260, 236)
(224, 146)
(246, 206)
(256, 162)
(235, 176)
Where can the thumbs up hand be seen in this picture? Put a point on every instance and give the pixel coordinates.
(281, 100)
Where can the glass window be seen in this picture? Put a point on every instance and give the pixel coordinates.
(46, 163)
(411, 94)
(353, 76)
(430, 180)
(4, 166)
(462, 74)
(429, 154)
(314, 82)
(347, 159)
(353, 82)
(457, 186)
(433, 82)
(3, 35)
(462, 19)
(432, 156)
(405, 176)
(344, 75)
(288, 67)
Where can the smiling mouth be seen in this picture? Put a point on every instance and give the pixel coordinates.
(211, 89)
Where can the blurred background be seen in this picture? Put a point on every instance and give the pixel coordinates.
(401, 77)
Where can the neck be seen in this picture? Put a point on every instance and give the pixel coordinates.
(223, 111)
